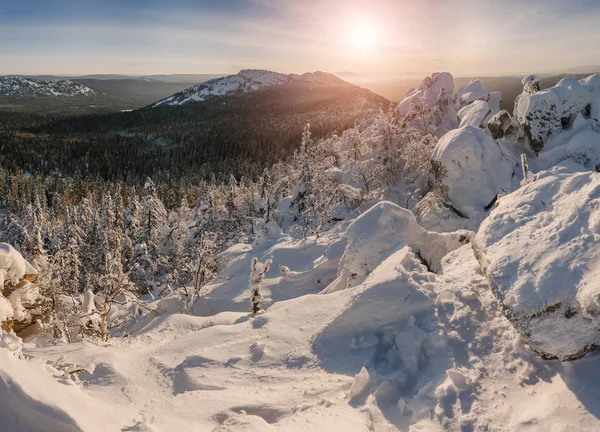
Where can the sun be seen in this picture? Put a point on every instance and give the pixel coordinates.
(362, 35)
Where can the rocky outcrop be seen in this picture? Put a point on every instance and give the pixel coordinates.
(430, 107)
(538, 250)
(471, 170)
(470, 93)
(19, 306)
(502, 125)
(474, 114)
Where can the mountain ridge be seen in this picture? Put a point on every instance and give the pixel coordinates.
(247, 80)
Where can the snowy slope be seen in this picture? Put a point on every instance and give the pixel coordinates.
(246, 81)
(437, 355)
(18, 86)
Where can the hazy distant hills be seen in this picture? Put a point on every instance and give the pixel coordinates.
(106, 93)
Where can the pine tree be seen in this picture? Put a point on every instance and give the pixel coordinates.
(303, 194)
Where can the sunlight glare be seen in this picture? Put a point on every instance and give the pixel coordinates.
(363, 35)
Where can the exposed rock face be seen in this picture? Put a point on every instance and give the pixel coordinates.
(539, 251)
(471, 170)
(498, 124)
(502, 125)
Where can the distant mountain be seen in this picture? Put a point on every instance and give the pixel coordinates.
(246, 81)
(238, 124)
(17, 86)
(82, 95)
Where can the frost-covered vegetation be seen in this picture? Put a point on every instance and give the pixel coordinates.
(423, 270)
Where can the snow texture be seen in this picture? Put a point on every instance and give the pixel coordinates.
(381, 230)
(471, 170)
(475, 114)
(470, 93)
(538, 250)
(13, 267)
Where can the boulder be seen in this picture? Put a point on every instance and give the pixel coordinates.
(540, 116)
(434, 214)
(474, 114)
(499, 123)
(573, 98)
(502, 125)
(591, 83)
(470, 93)
(531, 84)
(539, 252)
(471, 170)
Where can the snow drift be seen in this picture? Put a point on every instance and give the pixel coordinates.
(383, 229)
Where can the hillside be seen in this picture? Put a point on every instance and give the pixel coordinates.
(247, 81)
(433, 268)
(237, 133)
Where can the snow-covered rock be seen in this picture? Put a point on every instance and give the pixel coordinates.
(470, 93)
(539, 252)
(540, 116)
(531, 84)
(383, 229)
(474, 114)
(432, 100)
(471, 170)
(434, 214)
(573, 97)
(591, 83)
(13, 267)
(502, 125)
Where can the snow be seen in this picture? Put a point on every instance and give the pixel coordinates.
(245, 81)
(428, 92)
(13, 267)
(384, 228)
(470, 93)
(438, 352)
(6, 310)
(473, 170)
(30, 87)
(386, 321)
(474, 114)
(538, 251)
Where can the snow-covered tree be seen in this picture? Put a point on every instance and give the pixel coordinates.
(257, 274)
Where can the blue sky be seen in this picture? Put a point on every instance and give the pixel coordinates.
(466, 37)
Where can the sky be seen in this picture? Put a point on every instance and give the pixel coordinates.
(378, 37)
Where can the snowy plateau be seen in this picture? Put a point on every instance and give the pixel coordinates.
(463, 299)
(246, 81)
(18, 86)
